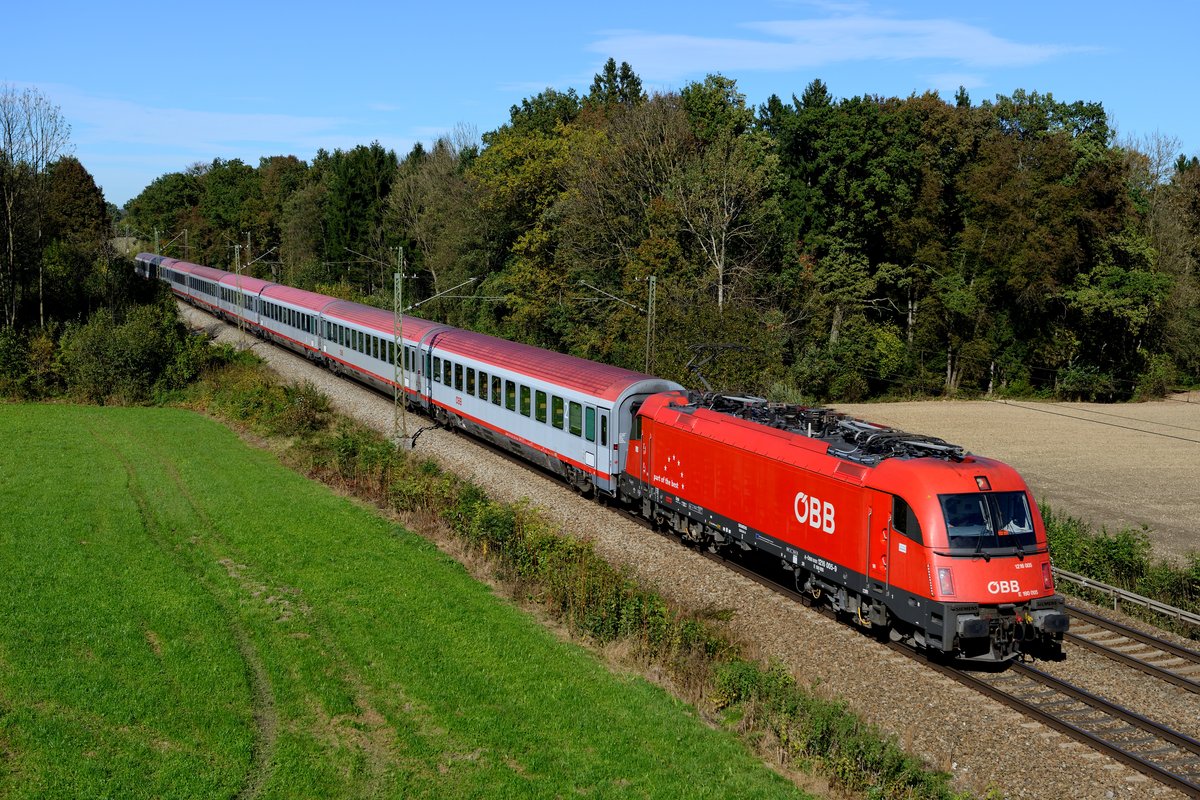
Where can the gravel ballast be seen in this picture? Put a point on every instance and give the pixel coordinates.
(982, 744)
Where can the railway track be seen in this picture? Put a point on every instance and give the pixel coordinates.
(1153, 749)
(1149, 654)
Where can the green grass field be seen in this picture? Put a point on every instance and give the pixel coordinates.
(181, 616)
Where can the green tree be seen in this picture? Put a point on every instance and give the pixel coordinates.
(33, 134)
(716, 107)
(616, 86)
(357, 184)
(725, 200)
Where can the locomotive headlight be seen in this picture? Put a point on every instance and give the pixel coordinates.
(1047, 580)
(945, 582)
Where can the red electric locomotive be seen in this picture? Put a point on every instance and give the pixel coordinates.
(903, 533)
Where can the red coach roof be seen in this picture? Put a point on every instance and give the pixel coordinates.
(245, 283)
(377, 319)
(208, 273)
(297, 297)
(598, 380)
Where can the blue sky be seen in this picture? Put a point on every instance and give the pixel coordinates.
(152, 88)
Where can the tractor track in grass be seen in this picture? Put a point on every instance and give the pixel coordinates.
(262, 699)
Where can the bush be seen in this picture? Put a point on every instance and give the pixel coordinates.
(857, 755)
(14, 363)
(1121, 559)
(1158, 378)
(150, 351)
(1085, 383)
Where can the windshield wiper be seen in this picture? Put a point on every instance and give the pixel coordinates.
(979, 550)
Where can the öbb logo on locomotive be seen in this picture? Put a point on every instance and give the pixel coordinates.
(920, 538)
(816, 512)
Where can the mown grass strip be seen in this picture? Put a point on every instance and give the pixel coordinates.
(185, 617)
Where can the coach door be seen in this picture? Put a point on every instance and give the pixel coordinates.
(603, 448)
(424, 366)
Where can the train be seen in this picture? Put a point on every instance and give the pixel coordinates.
(907, 536)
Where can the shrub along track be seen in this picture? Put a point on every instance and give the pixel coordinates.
(952, 727)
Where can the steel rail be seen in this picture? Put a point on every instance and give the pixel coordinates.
(1135, 634)
(1116, 593)
(1187, 780)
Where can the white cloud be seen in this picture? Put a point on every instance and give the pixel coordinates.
(97, 119)
(788, 45)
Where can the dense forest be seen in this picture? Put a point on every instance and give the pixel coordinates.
(811, 247)
(74, 318)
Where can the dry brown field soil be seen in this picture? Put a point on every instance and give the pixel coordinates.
(1117, 466)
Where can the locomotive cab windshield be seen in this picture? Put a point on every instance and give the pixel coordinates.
(988, 523)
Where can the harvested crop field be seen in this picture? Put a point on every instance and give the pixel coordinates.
(1119, 466)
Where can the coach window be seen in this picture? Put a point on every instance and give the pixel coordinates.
(375, 354)
(446, 372)
(458, 377)
(510, 395)
(904, 520)
(539, 406)
(391, 353)
(362, 342)
(495, 390)
(575, 419)
(589, 424)
(525, 401)
(471, 381)
(556, 411)
(408, 358)
(437, 370)
(483, 385)
(604, 430)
